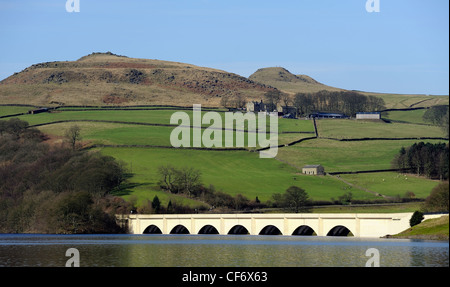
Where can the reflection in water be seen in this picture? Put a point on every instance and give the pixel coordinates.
(216, 250)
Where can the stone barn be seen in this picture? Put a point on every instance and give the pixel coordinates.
(316, 169)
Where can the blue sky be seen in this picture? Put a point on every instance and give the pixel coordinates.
(402, 49)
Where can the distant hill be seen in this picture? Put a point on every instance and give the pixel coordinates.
(284, 80)
(103, 79)
(109, 79)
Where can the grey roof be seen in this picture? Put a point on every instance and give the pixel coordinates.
(312, 166)
(368, 113)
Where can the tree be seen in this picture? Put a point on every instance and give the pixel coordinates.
(416, 218)
(425, 159)
(435, 114)
(346, 198)
(169, 207)
(224, 101)
(189, 179)
(438, 200)
(168, 177)
(286, 99)
(347, 102)
(294, 199)
(240, 201)
(58, 190)
(156, 204)
(13, 126)
(238, 101)
(272, 99)
(444, 123)
(73, 135)
(410, 194)
(400, 160)
(186, 179)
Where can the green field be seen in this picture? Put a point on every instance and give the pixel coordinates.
(350, 129)
(398, 101)
(128, 134)
(11, 110)
(243, 172)
(149, 117)
(392, 184)
(339, 156)
(369, 208)
(234, 172)
(413, 117)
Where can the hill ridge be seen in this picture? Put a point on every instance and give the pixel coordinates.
(283, 79)
(107, 78)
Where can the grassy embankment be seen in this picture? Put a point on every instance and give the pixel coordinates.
(431, 229)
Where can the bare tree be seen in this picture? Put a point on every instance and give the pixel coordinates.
(168, 177)
(73, 135)
(189, 179)
(224, 101)
(286, 99)
(272, 98)
(185, 179)
(238, 101)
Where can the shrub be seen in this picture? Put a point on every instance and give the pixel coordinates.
(416, 218)
(438, 201)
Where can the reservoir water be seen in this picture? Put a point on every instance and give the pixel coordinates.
(216, 251)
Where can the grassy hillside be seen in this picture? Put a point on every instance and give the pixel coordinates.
(243, 172)
(108, 79)
(284, 80)
(402, 101)
(234, 172)
(338, 156)
(105, 79)
(353, 129)
(142, 134)
(437, 229)
(413, 117)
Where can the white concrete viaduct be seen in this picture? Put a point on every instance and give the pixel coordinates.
(360, 225)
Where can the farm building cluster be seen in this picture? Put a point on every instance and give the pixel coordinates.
(292, 112)
(284, 111)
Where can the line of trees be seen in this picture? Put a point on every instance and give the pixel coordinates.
(55, 189)
(347, 102)
(426, 159)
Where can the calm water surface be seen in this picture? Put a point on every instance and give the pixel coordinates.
(216, 250)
